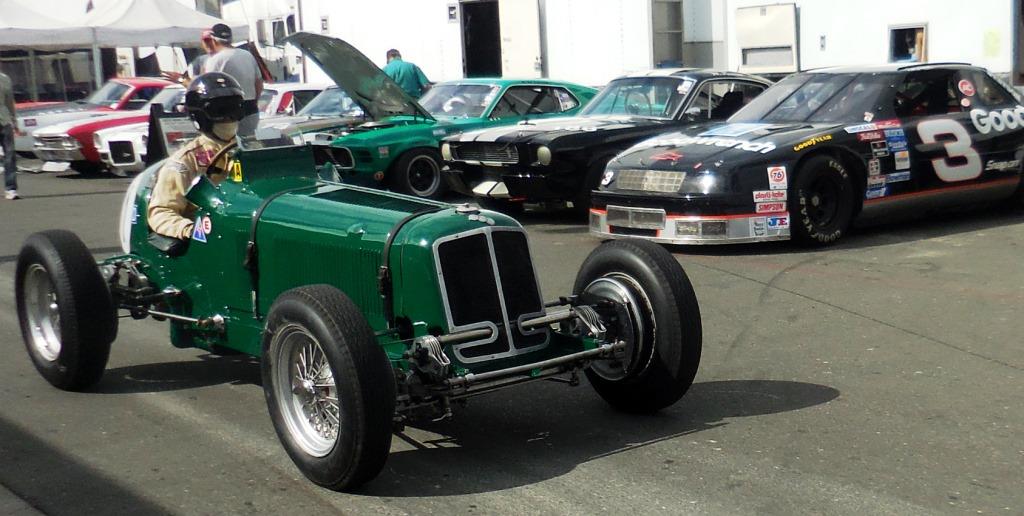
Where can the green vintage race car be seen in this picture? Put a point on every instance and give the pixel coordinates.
(399, 147)
(366, 308)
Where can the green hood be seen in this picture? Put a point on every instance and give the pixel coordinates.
(353, 72)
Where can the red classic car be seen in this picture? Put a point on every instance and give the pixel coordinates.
(120, 94)
(73, 144)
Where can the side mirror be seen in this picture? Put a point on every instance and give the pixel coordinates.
(692, 112)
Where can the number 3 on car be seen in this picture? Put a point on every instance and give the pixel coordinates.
(958, 150)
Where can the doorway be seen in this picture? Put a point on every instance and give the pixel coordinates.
(481, 38)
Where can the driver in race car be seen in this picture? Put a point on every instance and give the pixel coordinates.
(214, 103)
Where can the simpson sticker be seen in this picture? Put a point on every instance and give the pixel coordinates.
(875, 193)
(813, 141)
(1002, 165)
(902, 160)
(777, 179)
(758, 226)
(999, 120)
(879, 149)
(874, 167)
(733, 130)
(778, 222)
(897, 177)
(680, 141)
(769, 196)
(198, 233)
(769, 207)
(876, 181)
(870, 135)
(966, 87)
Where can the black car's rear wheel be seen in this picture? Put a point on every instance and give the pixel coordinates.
(658, 319)
(329, 386)
(67, 316)
(418, 172)
(821, 201)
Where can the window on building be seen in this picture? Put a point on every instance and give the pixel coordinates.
(667, 18)
(907, 44)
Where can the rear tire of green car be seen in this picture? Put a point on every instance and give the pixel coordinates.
(329, 386)
(662, 331)
(68, 318)
(418, 173)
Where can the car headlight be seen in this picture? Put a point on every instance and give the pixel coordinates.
(543, 155)
(446, 151)
(70, 143)
(97, 141)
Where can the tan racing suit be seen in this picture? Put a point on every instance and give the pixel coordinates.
(170, 213)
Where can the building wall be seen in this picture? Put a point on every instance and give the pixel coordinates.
(857, 32)
(594, 41)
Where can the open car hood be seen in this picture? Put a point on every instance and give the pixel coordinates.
(354, 73)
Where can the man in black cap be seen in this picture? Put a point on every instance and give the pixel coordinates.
(241, 66)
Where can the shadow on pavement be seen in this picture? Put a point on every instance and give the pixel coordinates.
(53, 482)
(172, 376)
(508, 440)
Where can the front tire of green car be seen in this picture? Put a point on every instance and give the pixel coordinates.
(660, 325)
(418, 173)
(329, 386)
(68, 318)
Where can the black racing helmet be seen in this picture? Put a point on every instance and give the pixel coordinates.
(213, 97)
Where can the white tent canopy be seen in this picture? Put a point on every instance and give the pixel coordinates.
(150, 23)
(23, 27)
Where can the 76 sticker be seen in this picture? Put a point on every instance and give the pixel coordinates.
(777, 178)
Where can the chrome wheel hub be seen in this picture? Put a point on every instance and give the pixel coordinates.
(636, 330)
(305, 390)
(43, 312)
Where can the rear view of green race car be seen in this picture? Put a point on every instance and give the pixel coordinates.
(399, 148)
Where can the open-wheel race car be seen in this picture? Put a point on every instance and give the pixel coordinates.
(367, 309)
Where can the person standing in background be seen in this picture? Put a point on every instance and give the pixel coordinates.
(195, 68)
(242, 67)
(8, 126)
(406, 74)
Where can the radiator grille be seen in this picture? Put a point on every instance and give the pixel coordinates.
(487, 279)
(486, 152)
(665, 181)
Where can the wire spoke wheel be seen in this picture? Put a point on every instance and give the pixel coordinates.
(43, 312)
(306, 390)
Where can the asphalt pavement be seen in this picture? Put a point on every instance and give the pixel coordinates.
(880, 376)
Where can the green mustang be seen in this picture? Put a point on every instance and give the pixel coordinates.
(399, 148)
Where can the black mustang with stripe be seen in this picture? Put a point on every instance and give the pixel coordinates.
(562, 159)
(818, 150)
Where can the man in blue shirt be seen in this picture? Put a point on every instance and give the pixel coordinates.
(406, 74)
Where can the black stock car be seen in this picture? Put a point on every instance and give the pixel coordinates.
(563, 159)
(816, 151)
